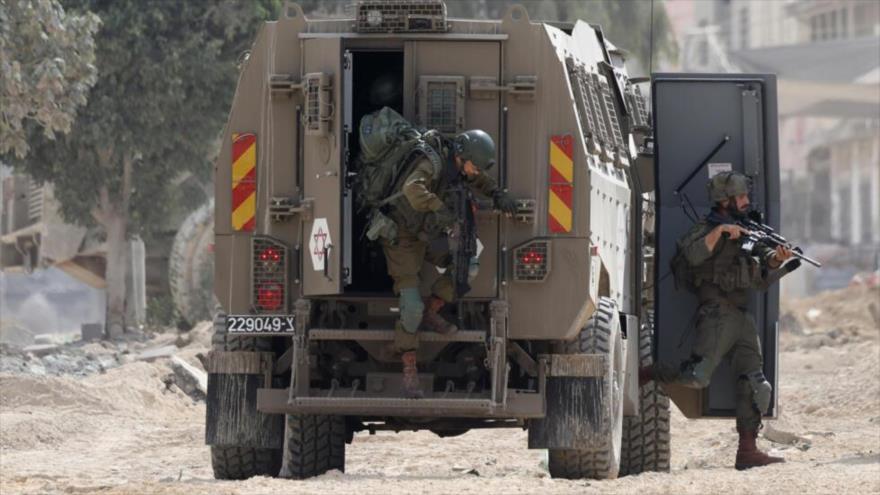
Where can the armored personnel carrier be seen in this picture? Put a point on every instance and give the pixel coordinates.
(560, 316)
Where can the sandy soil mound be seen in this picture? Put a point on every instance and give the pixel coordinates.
(43, 411)
(831, 318)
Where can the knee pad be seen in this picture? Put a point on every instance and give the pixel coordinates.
(761, 390)
(411, 309)
(696, 373)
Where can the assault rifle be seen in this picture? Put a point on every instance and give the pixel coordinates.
(463, 238)
(764, 234)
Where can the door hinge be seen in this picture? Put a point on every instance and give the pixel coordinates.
(522, 87)
(282, 208)
(284, 84)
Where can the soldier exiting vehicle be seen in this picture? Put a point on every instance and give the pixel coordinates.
(711, 263)
(420, 175)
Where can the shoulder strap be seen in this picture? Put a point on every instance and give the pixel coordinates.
(409, 162)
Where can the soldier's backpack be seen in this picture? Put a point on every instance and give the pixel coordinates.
(389, 146)
(386, 139)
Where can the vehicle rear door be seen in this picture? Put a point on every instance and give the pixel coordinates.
(442, 71)
(730, 123)
(323, 236)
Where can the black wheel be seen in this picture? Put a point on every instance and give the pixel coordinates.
(646, 436)
(238, 463)
(313, 445)
(601, 458)
(232, 462)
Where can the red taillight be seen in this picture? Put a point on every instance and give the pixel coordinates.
(531, 262)
(268, 275)
(270, 297)
(530, 257)
(270, 254)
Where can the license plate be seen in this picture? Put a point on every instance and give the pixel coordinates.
(251, 324)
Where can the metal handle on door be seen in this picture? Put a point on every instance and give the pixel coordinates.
(326, 260)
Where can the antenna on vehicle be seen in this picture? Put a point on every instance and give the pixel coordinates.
(651, 43)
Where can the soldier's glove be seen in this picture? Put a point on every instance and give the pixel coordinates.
(504, 202)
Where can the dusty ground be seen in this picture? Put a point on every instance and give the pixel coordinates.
(126, 430)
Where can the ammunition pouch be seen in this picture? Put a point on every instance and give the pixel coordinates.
(742, 273)
(381, 226)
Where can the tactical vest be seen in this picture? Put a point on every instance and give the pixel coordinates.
(728, 271)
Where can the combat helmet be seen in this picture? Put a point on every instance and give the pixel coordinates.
(727, 184)
(477, 146)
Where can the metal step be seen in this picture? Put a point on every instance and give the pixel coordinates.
(518, 405)
(388, 335)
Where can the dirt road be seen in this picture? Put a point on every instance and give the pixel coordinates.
(125, 431)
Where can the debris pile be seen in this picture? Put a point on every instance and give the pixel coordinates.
(68, 355)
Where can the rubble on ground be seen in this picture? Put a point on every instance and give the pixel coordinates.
(189, 379)
(65, 354)
(14, 334)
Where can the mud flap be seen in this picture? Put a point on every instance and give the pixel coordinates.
(574, 404)
(631, 346)
(232, 418)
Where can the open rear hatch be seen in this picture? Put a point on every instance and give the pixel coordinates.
(722, 122)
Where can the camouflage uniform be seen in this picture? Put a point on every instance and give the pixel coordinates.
(722, 280)
(418, 213)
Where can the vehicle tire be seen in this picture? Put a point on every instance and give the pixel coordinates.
(239, 463)
(601, 460)
(313, 445)
(236, 462)
(646, 436)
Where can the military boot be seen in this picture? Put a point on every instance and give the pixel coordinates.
(748, 455)
(411, 387)
(431, 319)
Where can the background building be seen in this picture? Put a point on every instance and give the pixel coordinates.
(826, 54)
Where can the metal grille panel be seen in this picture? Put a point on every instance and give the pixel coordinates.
(640, 105)
(613, 118)
(317, 111)
(399, 16)
(636, 105)
(269, 275)
(531, 262)
(577, 77)
(631, 106)
(440, 112)
(601, 118)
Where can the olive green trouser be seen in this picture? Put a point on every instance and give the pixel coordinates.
(405, 259)
(722, 331)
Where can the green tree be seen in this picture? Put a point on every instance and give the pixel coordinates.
(167, 73)
(47, 66)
